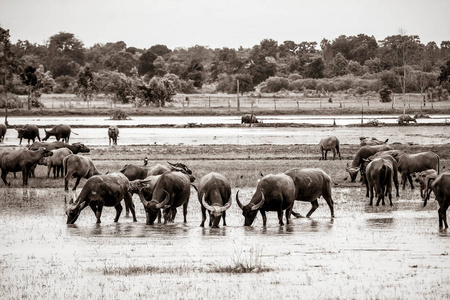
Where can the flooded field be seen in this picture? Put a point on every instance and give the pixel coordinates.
(364, 253)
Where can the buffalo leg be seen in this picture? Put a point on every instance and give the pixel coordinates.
(410, 181)
(25, 174)
(159, 216)
(4, 173)
(404, 178)
(280, 216)
(185, 206)
(76, 183)
(224, 214)
(315, 205)
(119, 209)
(202, 224)
(98, 213)
(129, 205)
(371, 195)
(264, 217)
(66, 182)
(396, 184)
(288, 214)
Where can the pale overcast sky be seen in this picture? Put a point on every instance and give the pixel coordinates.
(220, 23)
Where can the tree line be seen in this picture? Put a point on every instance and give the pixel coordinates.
(357, 64)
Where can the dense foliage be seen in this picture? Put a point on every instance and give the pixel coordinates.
(399, 63)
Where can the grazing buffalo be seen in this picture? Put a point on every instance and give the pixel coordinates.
(441, 190)
(171, 191)
(59, 132)
(273, 193)
(405, 119)
(55, 162)
(394, 170)
(29, 132)
(21, 160)
(249, 119)
(214, 194)
(2, 132)
(411, 163)
(99, 191)
(393, 153)
(78, 166)
(379, 174)
(133, 172)
(75, 147)
(113, 134)
(423, 179)
(365, 141)
(363, 153)
(310, 184)
(330, 143)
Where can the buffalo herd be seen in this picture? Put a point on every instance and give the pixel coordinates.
(162, 189)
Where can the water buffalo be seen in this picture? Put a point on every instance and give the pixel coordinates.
(379, 174)
(249, 119)
(55, 161)
(21, 160)
(310, 184)
(2, 132)
(75, 147)
(411, 163)
(423, 178)
(99, 191)
(330, 143)
(214, 194)
(133, 172)
(365, 141)
(394, 166)
(405, 119)
(393, 153)
(78, 166)
(113, 134)
(273, 193)
(363, 153)
(441, 190)
(59, 132)
(29, 132)
(171, 190)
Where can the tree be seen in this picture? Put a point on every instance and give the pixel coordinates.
(8, 65)
(245, 83)
(445, 73)
(66, 54)
(339, 65)
(315, 69)
(145, 64)
(159, 91)
(29, 78)
(85, 85)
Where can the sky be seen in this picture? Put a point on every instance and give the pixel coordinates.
(222, 23)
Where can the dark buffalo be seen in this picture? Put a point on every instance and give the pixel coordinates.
(394, 169)
(59, 132)
(29, 132)
(330, 143)
(75, 147)
(99, 191)
(310, 184)
(365, 141)
(171, 191)
(21, 160)
(405, 119)
(134, 172)
(379, 174)
(249, 119)
(273, 193)
(411, 163)
(363, 153)
(78, 166)
(2, 132)
(423, 179)
(394, 153)
(55, 162)
(113, 134)
(214, 194)
(441, 190)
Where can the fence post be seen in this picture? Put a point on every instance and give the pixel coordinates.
(298, 107)
(275, 104)
(237, 89)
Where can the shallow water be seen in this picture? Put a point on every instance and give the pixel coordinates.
(351, 256)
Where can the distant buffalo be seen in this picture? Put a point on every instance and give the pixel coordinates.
(29, 132)
(113, 134)
(59, 132)
(2, 132)
(249, 119)
(330, 143)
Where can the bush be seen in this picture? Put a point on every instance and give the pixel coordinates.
(385, 94)
(294, 77)
(274, 84)
(437, 94)
(13, 101)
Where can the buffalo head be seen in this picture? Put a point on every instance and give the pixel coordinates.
(72, 211)
(20, 132)
(152, 207)
(250, 210)
(215, 211)
(183, 169)
(352, 171)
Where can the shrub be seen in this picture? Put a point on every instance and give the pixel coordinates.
(274, 84)
(294, 77)
(385, 94)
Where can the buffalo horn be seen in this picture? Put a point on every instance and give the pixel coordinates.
(239, 202)
(141, 196)
(207, 206)
(166, 200)
(258, 206)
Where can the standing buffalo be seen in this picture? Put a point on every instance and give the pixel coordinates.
(21, 160)
(393, 153)
(405, 119)
(133, 172)
(78, 166)
(55, 162)
(411, 163)
(330, 143)
(59, 132)
(310, 184)
(29, 132)
(171, 191)
(379, 174)
(273, 193)
(363, 153)
(249, 119)
(113, 134)
(423, 179)
(214, 194)
(99, 191)
(441, 190)
(394, 166)
(75, 147)
(365, 141)
(2, 132)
